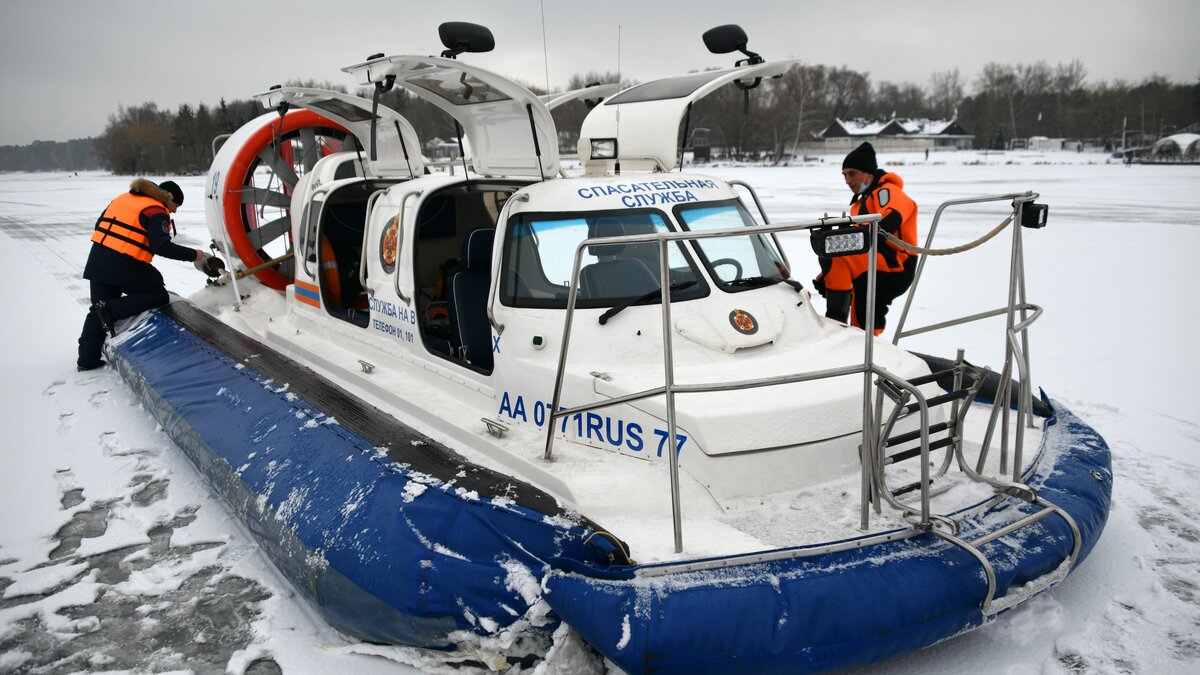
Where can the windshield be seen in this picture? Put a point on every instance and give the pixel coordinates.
(539, 251)
(732, 260)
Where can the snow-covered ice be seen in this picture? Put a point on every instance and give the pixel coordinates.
(115, 555)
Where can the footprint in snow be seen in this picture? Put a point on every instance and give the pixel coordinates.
(83, 525)
(71, 498)
(65, 422)
(144, 458)
(53, 388)
(99, 398)
(72, 494)
(150, 490)
(110, 442)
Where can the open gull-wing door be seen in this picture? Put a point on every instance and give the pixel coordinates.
(591, 92)
(398, 149)
(644, 119)
(509, 129)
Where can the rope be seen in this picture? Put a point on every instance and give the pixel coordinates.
(900, 243)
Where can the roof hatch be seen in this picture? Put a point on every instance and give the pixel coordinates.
(507, 126)
(645, 118)
(398, 149)
(651, 112)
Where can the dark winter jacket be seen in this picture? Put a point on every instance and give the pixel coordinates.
(108, 265)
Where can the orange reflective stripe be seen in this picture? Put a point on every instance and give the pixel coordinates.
(119, 226)
(307, 293)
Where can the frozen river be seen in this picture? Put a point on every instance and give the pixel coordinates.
(114, 554)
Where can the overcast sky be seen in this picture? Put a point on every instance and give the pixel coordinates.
(65, 65)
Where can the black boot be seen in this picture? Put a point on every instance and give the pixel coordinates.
(102, 312)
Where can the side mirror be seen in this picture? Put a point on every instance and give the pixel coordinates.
(460, 36)
(725, 39)
(731, 38)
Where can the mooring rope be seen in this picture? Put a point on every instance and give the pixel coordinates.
(900, 243)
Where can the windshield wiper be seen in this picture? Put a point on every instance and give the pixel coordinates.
(758, 282)
(644, 299)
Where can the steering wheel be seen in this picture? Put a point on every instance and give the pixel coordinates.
(730, 261)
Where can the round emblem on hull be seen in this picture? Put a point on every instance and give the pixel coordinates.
(387, 244)
(743, 322)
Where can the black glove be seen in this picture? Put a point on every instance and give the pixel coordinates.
(211, 265)
(819, 284)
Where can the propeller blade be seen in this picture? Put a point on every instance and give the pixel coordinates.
(269, 232)
(281, 167)
(261, 197)
(312, 151)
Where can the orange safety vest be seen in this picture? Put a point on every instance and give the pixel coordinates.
(120, 229)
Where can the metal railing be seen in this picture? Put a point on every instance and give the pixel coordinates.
(872, 445)
(669, 388)
(874, 489)
(1019, 315)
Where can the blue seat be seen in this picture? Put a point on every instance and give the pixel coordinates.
(611, 276)
(470, 330)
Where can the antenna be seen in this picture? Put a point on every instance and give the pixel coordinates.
(545, 51)
(617, 162)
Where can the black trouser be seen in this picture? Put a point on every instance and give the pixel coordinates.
(888, 287)
(123, 301)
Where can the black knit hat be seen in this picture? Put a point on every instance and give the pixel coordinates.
(176, 193)
(861, 158)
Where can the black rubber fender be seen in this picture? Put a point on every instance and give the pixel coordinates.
(987, 390)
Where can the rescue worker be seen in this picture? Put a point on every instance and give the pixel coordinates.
(843, 280)
(134, 228)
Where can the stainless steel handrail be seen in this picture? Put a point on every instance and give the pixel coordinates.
(662, 240)
(1015, 196)
(1017, 305)
(871, 446)
(400, 245)
(302, 250)
(362, 259)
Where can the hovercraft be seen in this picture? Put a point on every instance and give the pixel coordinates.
(463, 405)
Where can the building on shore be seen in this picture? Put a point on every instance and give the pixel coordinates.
(897, 135)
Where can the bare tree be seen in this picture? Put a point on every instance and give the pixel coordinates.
(945, 92)
(136, 140)
(797, 107)
(1069, 96)
(899, 100)
(848, 90)
(1002, 82)
(1068, 77)
(1036, 78)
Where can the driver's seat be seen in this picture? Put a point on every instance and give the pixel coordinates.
(610, 276)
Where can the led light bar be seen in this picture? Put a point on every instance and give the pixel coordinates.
(840, 242)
